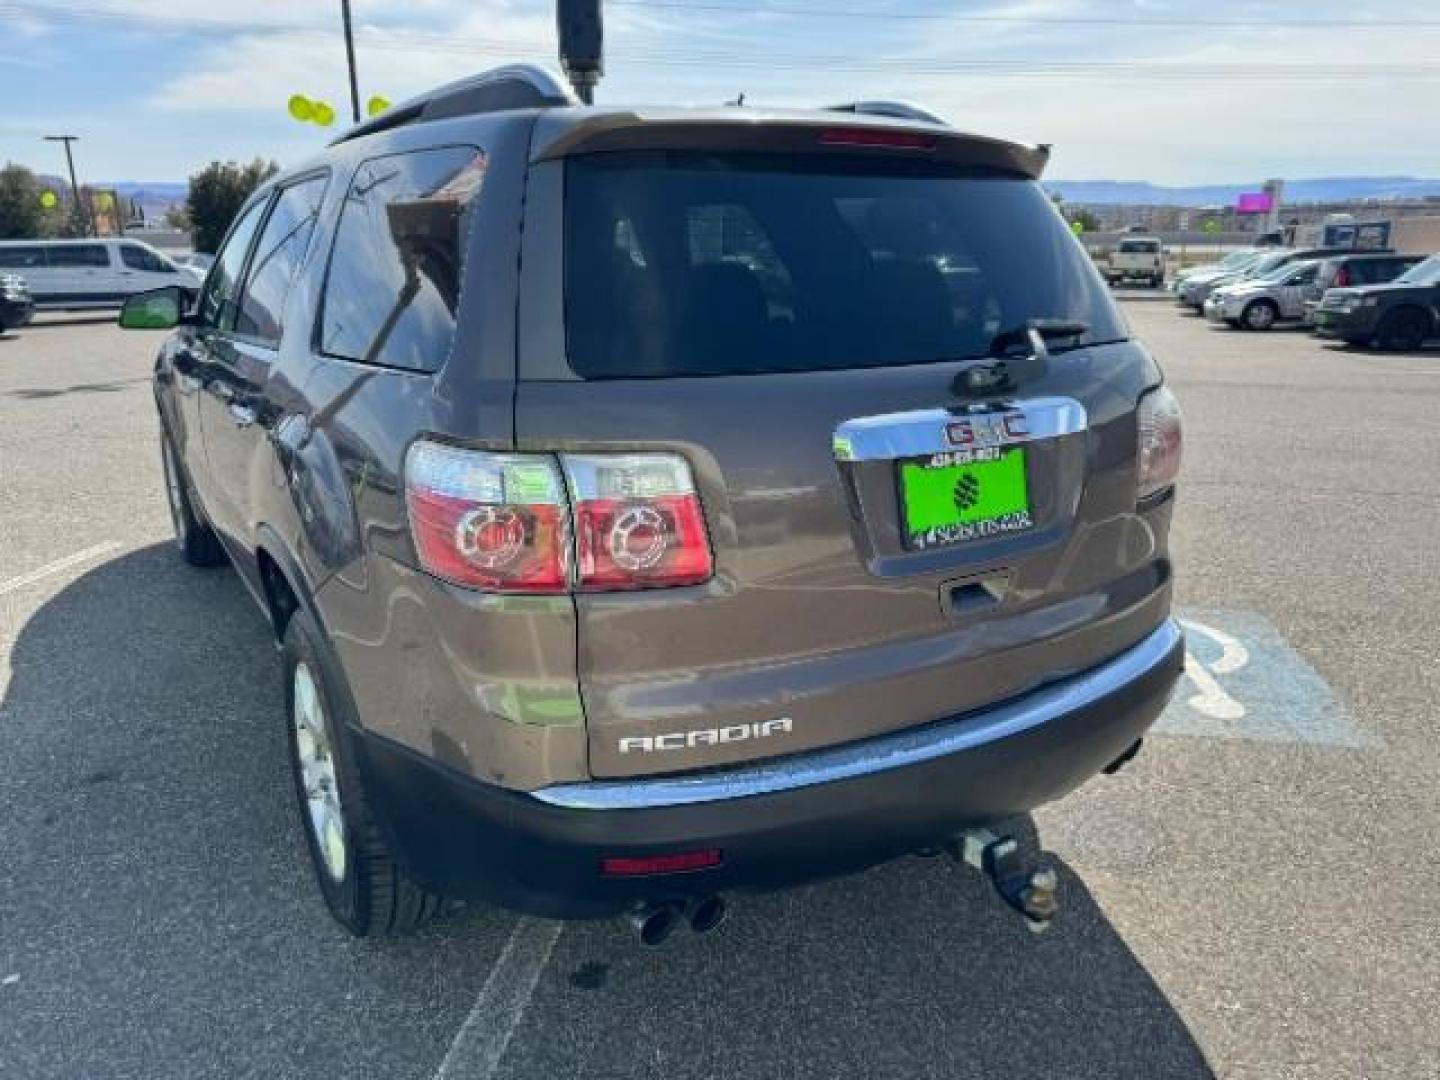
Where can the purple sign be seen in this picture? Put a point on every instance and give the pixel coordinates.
(1255, 202)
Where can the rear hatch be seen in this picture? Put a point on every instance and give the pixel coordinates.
(902, 528)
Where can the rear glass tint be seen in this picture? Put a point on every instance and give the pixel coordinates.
(692, 264)
(1139, 247)
(394, 279)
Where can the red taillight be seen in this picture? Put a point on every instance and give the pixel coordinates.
(679, 863)
(490, 521)
(1342, 278)
(888, 138)
(638, 522)
(502, 522)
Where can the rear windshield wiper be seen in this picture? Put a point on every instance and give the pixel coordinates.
(1007, 366)
(1037, 334)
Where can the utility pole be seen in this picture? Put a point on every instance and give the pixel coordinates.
(350, 59)
(78, 209)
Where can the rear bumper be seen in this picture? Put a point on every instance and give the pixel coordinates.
(778, 823)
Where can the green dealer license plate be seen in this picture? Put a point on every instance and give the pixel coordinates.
(952, 497)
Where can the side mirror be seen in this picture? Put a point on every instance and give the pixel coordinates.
(158, 309)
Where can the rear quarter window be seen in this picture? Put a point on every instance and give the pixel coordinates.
(393, 285)
(697, 264)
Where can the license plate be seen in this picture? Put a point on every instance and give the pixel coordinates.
(950, 498)
(1320, 318)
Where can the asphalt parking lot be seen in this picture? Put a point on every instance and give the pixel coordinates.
(1254, 897)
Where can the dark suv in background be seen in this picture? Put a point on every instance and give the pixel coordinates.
(1353, 271)
(656, 503)
(1401, 314)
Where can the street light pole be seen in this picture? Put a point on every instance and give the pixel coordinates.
(350, 60)
(74, 187)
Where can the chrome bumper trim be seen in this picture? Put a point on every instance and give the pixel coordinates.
(893, 751)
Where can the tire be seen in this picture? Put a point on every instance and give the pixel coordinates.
(1403, 330)
(1259, 315)
(198, 544)
(364, 888)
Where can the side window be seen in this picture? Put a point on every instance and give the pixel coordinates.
(71, 255)
(217, 303)
(394, 280)
(137, 258)
(22, 258)
(278, 254)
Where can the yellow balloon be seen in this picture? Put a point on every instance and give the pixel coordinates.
(301, 108)
(376, 105)
(49, 200)
(323, 114)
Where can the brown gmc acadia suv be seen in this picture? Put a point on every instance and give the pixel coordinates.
(659, 503)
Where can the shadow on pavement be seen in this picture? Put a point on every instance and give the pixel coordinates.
(911, 970)
(155, 899)
(160, 914)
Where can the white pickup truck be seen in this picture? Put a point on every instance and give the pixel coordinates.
(1137, 258)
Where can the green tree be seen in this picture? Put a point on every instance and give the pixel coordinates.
(21, 215)
(1086, 219)
(216, 194)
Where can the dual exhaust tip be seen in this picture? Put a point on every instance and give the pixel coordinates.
(654, 923)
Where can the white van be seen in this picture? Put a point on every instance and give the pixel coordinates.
(76, 274)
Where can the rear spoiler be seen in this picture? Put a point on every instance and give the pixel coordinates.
(746, 131)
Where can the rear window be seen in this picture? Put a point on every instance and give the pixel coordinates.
(1139, 247)
(692, 264)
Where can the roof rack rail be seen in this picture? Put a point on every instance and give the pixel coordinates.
(900, 110)
(515, 86)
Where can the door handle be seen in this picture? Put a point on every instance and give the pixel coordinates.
(243, 415)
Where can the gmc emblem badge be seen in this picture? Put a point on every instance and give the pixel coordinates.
(987, 429)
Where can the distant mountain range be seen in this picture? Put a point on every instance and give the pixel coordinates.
(1321, 189)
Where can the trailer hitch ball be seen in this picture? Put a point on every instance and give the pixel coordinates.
(1031, 890)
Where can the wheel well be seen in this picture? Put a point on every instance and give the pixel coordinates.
(279, 595)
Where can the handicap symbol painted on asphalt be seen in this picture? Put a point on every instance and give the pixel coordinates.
(1243, 680)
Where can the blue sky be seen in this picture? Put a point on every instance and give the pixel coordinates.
(1159, 90)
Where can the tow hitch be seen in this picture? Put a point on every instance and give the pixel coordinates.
(1023, 883)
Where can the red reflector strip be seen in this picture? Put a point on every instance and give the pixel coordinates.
(881, 137)
(679, 863)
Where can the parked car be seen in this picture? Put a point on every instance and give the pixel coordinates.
(1402, 314)
(17, 307)
(1233, 262)
(1346, 271)
(1262, 302)
(612, 574)
(1137, 258)
(1194, 291)
(76, 275)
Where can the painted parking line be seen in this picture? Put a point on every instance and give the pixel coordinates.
(59, 565)
(1243, 680)
(480, 1044)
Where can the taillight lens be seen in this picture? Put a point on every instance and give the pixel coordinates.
(1342, 278)
(491, 521)
(1159, 442)
(638, 522)
(503, 522)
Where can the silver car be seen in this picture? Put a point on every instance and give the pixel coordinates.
(1259, 303)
